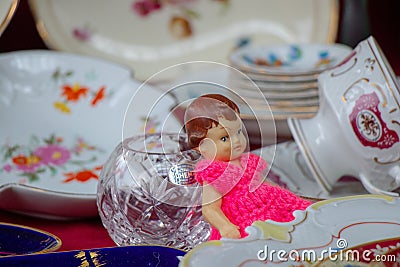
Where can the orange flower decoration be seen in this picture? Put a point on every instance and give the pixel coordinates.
(82, 176)
(27, 163)
(73, 93)
(20, 160)
(99, 96)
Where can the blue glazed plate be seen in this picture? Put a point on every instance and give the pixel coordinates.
(118, 256)
(19, 240)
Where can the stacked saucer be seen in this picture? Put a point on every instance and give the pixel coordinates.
(284, 75)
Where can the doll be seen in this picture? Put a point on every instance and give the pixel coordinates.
(234, 194)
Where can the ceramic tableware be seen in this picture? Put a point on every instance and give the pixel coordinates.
(201, 77)
(61, 116)
(356, 131)
(278, 95)
(149, 38)
(294, 102)
(282, 87)
(7, 10)
(285, 75)
(290, 59)
(325, 228)
(140, 256)
(21, 240)
(287, 79)
(289, 170)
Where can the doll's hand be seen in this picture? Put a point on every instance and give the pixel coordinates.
(230, 231)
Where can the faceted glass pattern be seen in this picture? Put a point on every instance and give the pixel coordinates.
(137, 201)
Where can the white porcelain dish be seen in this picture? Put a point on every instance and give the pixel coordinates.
(289, 59)
(278, 95)
(290, 170)
(295, 102)
(262, 77)
(292, 112)
(62, 115)
(201, 77)
(209, 77)
(249, 80)
(282, 87)
(324, 228)
(149, 39)
(7, 10)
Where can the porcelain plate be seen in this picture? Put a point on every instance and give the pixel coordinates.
(152, 35)
(62, 115)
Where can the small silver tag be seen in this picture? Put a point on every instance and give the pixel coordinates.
(182, 174)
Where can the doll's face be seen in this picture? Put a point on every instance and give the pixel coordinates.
(224, 142)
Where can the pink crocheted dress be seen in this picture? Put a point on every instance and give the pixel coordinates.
(242, 204)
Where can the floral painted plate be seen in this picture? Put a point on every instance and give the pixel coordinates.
(151, 35)
(324, 231)
(7, 10)
(20, 240)
(289, 59)
(138, 256)
(61, 116)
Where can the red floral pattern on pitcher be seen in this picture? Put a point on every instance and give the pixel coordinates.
(368, 125)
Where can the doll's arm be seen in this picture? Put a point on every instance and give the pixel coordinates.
(212, 212)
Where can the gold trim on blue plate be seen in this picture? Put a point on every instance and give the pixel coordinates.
(52, 246)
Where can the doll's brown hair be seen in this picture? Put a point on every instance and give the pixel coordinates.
(203, 114)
